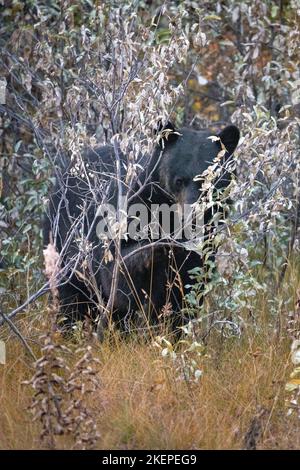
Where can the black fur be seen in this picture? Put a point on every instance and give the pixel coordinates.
(147, 281)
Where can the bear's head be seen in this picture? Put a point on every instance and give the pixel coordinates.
(186, 153)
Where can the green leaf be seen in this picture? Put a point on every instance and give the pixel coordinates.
(212, 17)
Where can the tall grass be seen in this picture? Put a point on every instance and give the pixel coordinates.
(142, 404)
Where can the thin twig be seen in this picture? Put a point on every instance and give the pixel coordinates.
(31, 299)
(18, 334)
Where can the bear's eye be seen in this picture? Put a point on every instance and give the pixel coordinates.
(179, 183)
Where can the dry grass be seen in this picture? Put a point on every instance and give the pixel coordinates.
(141, 404)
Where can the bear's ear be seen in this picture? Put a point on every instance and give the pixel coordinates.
(230, 138)
(166, 134)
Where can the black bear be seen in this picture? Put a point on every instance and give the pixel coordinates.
(153, 272)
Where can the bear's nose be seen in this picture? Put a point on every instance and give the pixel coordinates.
(192, 194)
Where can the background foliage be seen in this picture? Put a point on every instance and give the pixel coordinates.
(231, 61)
